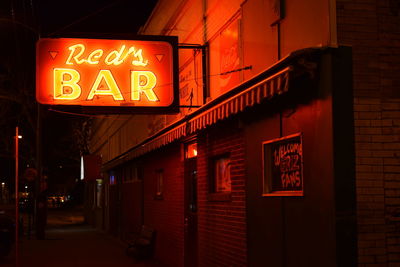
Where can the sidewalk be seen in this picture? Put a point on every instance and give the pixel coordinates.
(80, 246)
(72, 245)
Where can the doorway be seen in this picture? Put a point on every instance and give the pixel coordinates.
(190, 218)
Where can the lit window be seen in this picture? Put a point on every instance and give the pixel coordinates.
(82, 169)
(112, 178)
(222, 174)
(191, 151)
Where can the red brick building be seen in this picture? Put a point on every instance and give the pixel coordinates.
(370, 27)
(289, 155)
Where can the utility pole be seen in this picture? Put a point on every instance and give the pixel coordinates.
(16, 198)
(40, 206)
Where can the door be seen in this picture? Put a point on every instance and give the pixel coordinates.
(190, 217)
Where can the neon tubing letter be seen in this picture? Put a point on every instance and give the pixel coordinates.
(60, 82)
(114, 57)
(143, 82)
(112, 90)
(76, 57)
(94, 57)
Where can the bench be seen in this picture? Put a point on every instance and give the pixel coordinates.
(143, 246)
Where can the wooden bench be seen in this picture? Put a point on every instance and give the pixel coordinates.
(143, 246)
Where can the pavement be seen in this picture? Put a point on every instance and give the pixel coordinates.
(70, 242)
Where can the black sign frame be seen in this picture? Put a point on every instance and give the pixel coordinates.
(283, 166)
(173, 108)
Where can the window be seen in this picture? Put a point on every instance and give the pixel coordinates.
(112, 178)
(191, 150)
(159, 184)
(229, 56)
(99, 185)
(227, 59)
(126, 173)
(221, 182)
(134, 173)
(283, 166)
(130, 173)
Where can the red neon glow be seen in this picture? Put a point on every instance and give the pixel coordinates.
(93, 72)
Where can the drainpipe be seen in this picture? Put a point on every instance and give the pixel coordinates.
(204, 57)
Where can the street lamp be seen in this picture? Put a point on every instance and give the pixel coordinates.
(3, 197)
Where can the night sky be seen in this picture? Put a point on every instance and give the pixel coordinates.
(22, 22)
(89, 16)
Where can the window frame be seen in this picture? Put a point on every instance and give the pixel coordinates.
(159, 184)
(213, 193)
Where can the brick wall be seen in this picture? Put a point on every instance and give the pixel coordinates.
(131, 205)
(222, 224)
(372, 28)
(165, 214)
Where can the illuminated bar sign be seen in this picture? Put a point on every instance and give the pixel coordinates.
(108, 75)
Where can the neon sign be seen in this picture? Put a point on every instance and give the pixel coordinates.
(107, 73)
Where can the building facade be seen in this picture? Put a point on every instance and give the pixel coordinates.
(285, 149)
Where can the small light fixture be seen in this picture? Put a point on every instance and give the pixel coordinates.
(191, 150)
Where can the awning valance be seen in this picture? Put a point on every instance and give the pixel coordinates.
(210, 114)
(274, 85)
(299, 69)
